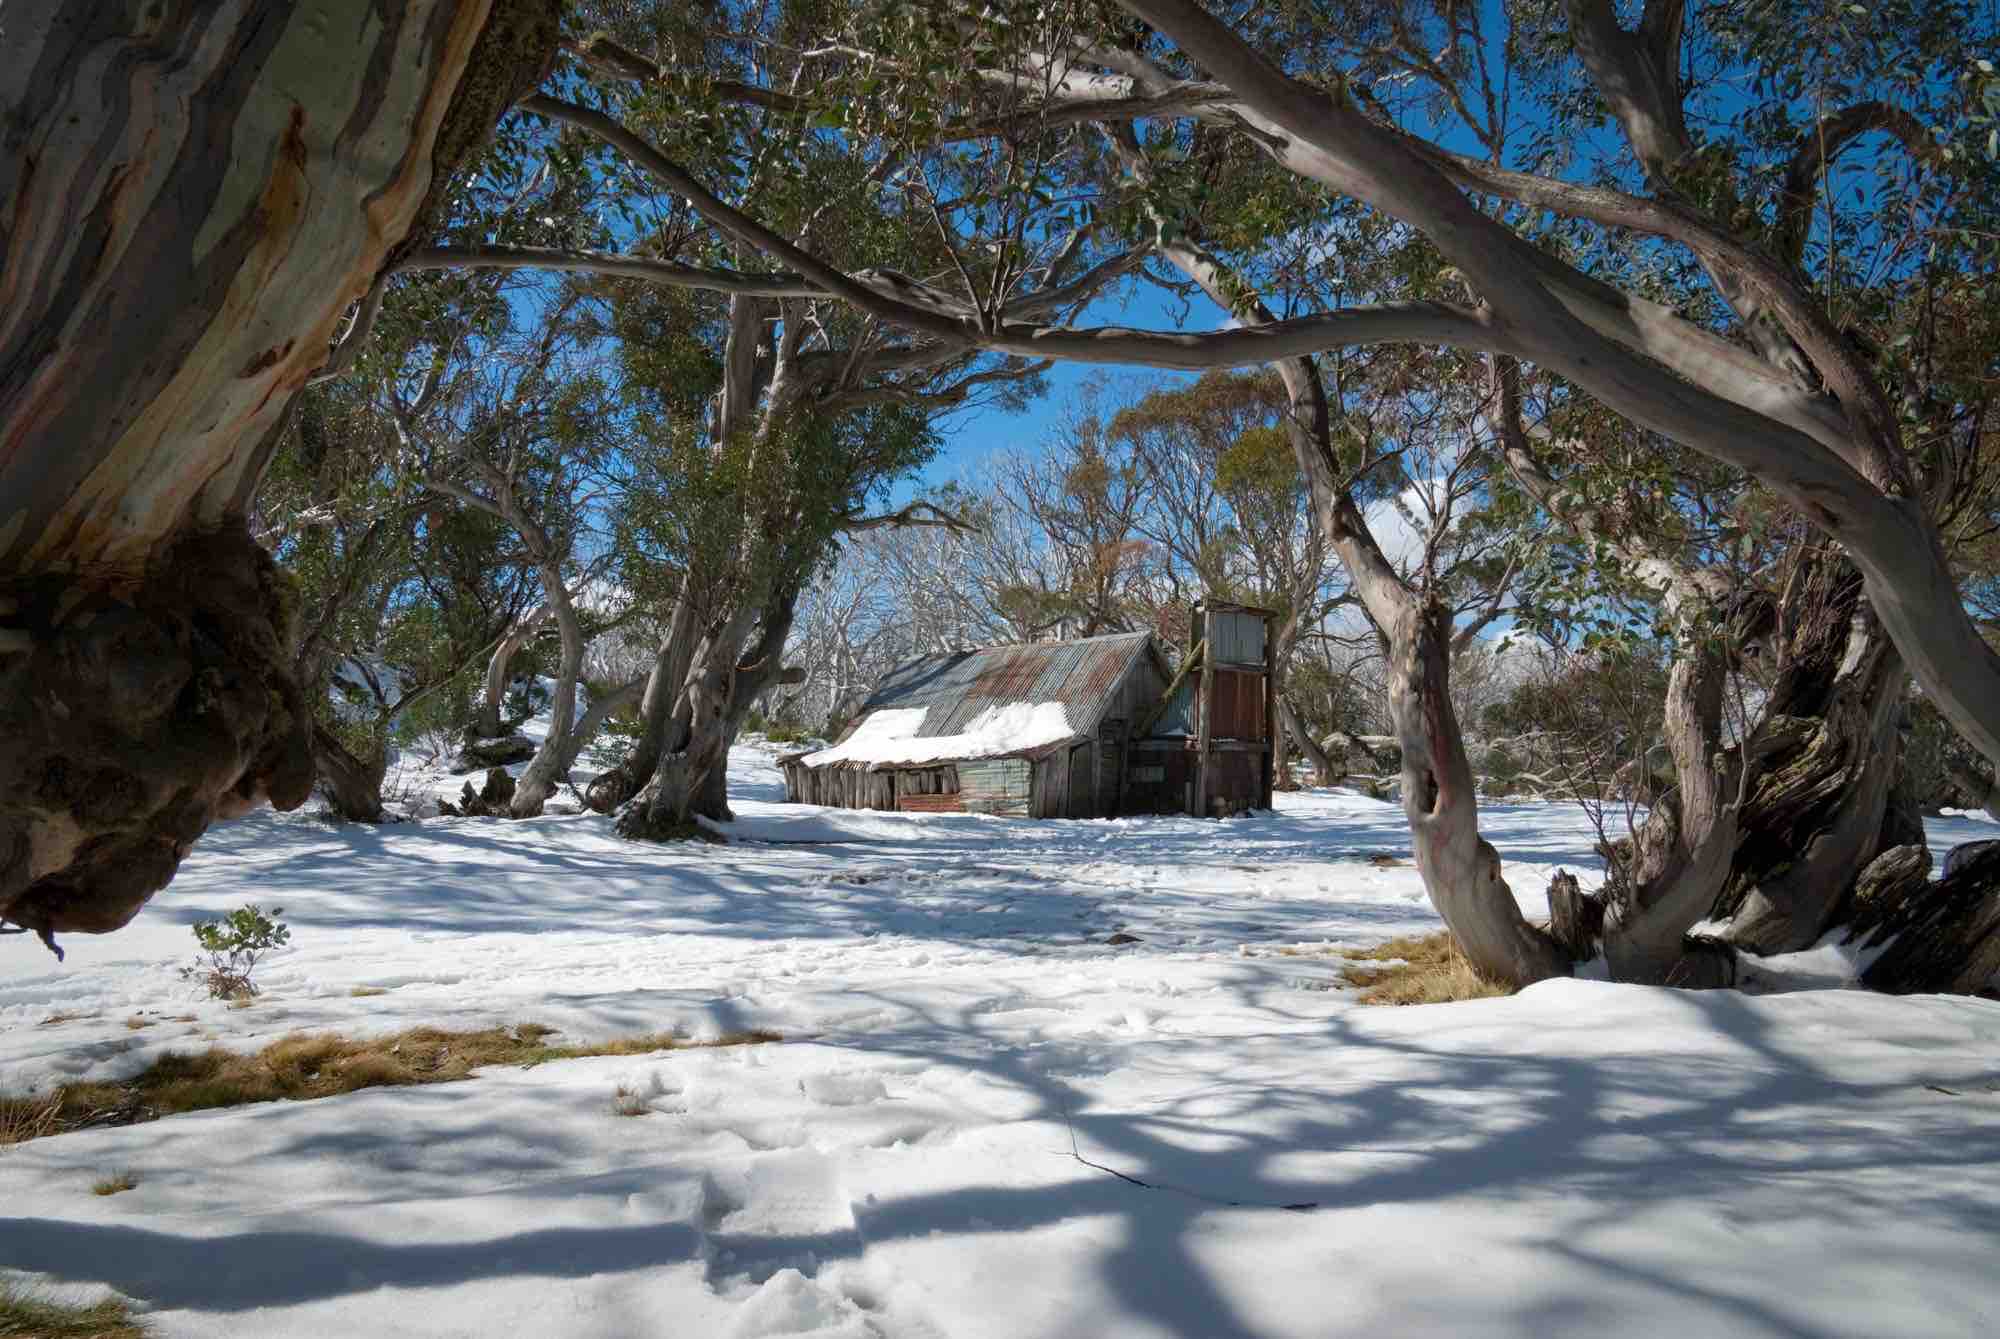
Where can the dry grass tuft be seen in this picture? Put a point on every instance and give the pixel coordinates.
(111, 1185)
(135, 1022)
(363, 992)
(60, 1017)
(26, 1316)
(1430, 970)
(25, 1118)
(301, 1068)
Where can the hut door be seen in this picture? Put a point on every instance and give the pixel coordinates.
(1082, 790)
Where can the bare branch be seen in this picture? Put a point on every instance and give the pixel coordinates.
(916, 514)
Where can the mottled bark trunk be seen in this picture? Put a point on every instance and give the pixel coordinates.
(1680, 857)
(662, 714)
(678, 778)
(725, 679)
(550, 765)
(1825, 759)
(353, 784)
(194, 196)
(1460, 869)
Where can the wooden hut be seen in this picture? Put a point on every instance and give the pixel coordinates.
(1082, 729)
(1033, 731)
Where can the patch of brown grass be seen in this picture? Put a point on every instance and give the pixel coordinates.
(60, 1017)
(363, 992)
(301, 1068)
(134, 1023)
(1430, 970)
(23, 1315)
(25, 1118)
(111, 1185)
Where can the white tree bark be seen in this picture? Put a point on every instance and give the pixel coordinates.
(194, 197)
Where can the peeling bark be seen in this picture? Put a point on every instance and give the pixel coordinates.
(1825, 760)
(1942, 936)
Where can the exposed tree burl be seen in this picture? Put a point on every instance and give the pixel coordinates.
(135, 717)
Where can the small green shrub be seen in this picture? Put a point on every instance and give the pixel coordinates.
(787, 734)
(524, 699)
(231, 948)
(1500, 764)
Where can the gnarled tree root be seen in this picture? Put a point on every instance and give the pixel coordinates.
(1942, 936)
(134, 715)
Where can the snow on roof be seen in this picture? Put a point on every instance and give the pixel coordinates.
(991, 702)
(893, 735)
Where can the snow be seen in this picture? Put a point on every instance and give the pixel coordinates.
(890, 735)
(962, 1043)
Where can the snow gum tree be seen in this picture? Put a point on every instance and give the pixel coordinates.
(192, 196)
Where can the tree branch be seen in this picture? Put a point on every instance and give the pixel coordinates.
(916, 514)
(665, 272)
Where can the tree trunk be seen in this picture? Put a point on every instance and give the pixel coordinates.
(1825, 758)
(486, 719)
(599, 711)
(1681, 856)
(195, 194)
(353, 785)
(1460, 869)
(546, 770)
(1980, 793)
(1942, 936)
(1324, 771)
(666, 806)
(722, 684)
(662, 713)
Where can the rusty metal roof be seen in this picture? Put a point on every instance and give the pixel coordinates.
(956, 688)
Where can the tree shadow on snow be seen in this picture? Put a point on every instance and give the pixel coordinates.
(1594, 1141)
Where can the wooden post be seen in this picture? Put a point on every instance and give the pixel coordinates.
(1271, 756)
(1205, 731)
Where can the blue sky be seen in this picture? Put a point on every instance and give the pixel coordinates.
(974, 435)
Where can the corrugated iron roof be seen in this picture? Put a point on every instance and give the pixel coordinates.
(954, 689)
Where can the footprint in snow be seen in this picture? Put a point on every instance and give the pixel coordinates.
(843, 1090)
(789, 1303)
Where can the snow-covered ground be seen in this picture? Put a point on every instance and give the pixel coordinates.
(962, 1042)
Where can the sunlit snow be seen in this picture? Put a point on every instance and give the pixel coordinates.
(964, 1041)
